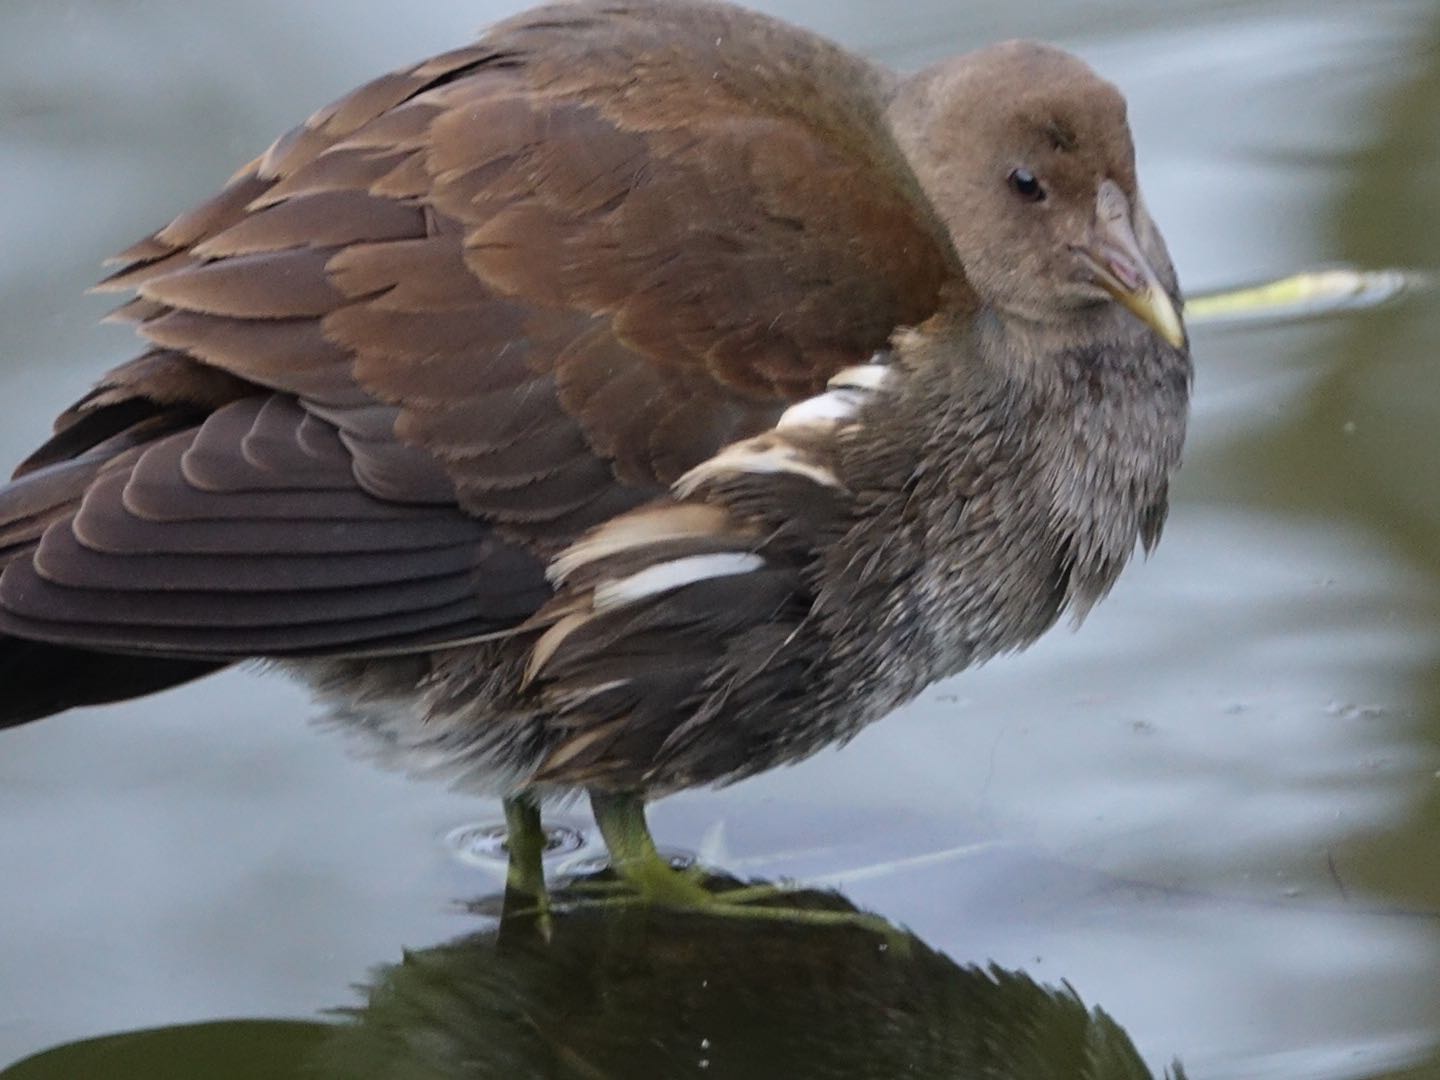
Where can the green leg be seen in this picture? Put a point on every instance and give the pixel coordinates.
(525, 892)
(621, 817)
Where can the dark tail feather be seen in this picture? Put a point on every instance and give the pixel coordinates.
(39, 680)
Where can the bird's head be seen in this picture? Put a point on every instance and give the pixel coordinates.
(1026, 155)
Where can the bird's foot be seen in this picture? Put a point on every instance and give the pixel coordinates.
(690, 889)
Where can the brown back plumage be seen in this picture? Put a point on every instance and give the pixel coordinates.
(468, 311)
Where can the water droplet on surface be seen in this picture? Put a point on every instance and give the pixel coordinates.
(1347, 710)
(593, 864)
(483, 843)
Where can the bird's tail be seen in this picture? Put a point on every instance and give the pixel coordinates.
(38, 679)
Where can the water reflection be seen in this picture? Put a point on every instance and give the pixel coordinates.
(1360, 450)
(643, 993)
(1215, 809)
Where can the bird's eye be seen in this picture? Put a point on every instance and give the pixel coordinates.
(1025, 184)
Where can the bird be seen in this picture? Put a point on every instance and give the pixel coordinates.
(644, 396)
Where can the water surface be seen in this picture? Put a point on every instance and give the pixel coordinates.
(1214, 810)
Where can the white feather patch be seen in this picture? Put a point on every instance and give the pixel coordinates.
(640, 529)
(861, 377)
(831, 407)
(849, 389)
(771, 452)
(673, 574)
(762, 454)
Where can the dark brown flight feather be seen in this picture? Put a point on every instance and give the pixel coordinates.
(463, 399)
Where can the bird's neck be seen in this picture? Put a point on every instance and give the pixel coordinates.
(1109, 401)
(1004, 478)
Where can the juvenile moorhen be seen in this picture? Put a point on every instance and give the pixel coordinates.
(647, 395)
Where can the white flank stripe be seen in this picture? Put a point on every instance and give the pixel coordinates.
(640, 529)
(673, 575)
(752, 456)
(860, 377)
(849, 389)
(833, 407)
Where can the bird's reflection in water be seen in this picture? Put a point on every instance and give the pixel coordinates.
(635, 993)
(642, 992)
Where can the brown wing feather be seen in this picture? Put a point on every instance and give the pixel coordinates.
(238, 538)
(538, 278)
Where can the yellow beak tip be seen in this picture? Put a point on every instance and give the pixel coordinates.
(1156, 310)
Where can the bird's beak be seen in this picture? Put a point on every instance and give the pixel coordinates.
(1120, 268)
